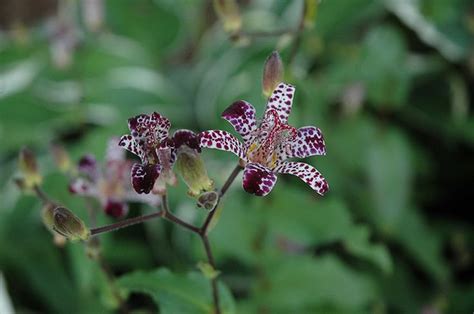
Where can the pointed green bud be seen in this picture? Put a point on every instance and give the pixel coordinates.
(310, 11)
(192, 170)
(62, 221)
(207, 270)
(29, 169)
(208, 200)
(61, 158)
(228, 12)
(272, 73)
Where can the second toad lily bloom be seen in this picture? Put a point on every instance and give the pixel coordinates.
(267, 146)
(149, 139)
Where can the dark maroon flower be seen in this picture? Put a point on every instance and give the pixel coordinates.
(267, 146)
(149, 139)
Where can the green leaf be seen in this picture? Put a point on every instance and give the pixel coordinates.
(422, 243)
(300, 283)
(389, 170)
(177, 293)
(358, 244)
(384, 67)
(453, 47)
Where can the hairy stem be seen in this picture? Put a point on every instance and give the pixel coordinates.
(42, 195)
(223, 190)
(167, 214)
(205, 240)
(210, 259)
(125, 223)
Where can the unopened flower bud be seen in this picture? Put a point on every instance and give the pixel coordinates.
(272, 73)
(208, 200)
(93, 14)
(310, 11)
(193, 172)
(61, 158)
(62, 221)
(228, 12)
(31, 176)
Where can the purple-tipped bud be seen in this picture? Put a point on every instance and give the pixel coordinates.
(272, 73)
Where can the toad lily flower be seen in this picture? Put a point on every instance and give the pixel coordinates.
(149, 140)
(267, 146)
(110, 186)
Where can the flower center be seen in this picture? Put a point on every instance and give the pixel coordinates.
(271, 134)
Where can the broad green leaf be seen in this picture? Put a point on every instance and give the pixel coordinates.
(422, 243)
(177, 293)
(300, 283)
(389, 169)
(383, 67)
(410, 14)
(357, 243)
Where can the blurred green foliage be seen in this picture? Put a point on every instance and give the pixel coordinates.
(390, 83)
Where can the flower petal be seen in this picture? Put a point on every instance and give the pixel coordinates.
(87, 166)
(258, 180)
(81, 186)
(306, 173)
(116, 208)
(144, 177)
(114, 152)
(309, 141)
(241, 115)
(188, 138)
(281, 100)
(130, 144)
(150, 199)
(153, 127)
(166, 153)
(221, 140)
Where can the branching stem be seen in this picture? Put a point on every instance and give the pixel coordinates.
(166, 213)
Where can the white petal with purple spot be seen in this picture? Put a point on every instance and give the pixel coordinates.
(305, 172)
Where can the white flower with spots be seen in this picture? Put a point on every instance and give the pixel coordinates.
(267, 146)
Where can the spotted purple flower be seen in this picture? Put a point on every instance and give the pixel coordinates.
(267, 145)
(149, 139)
(109, 185)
